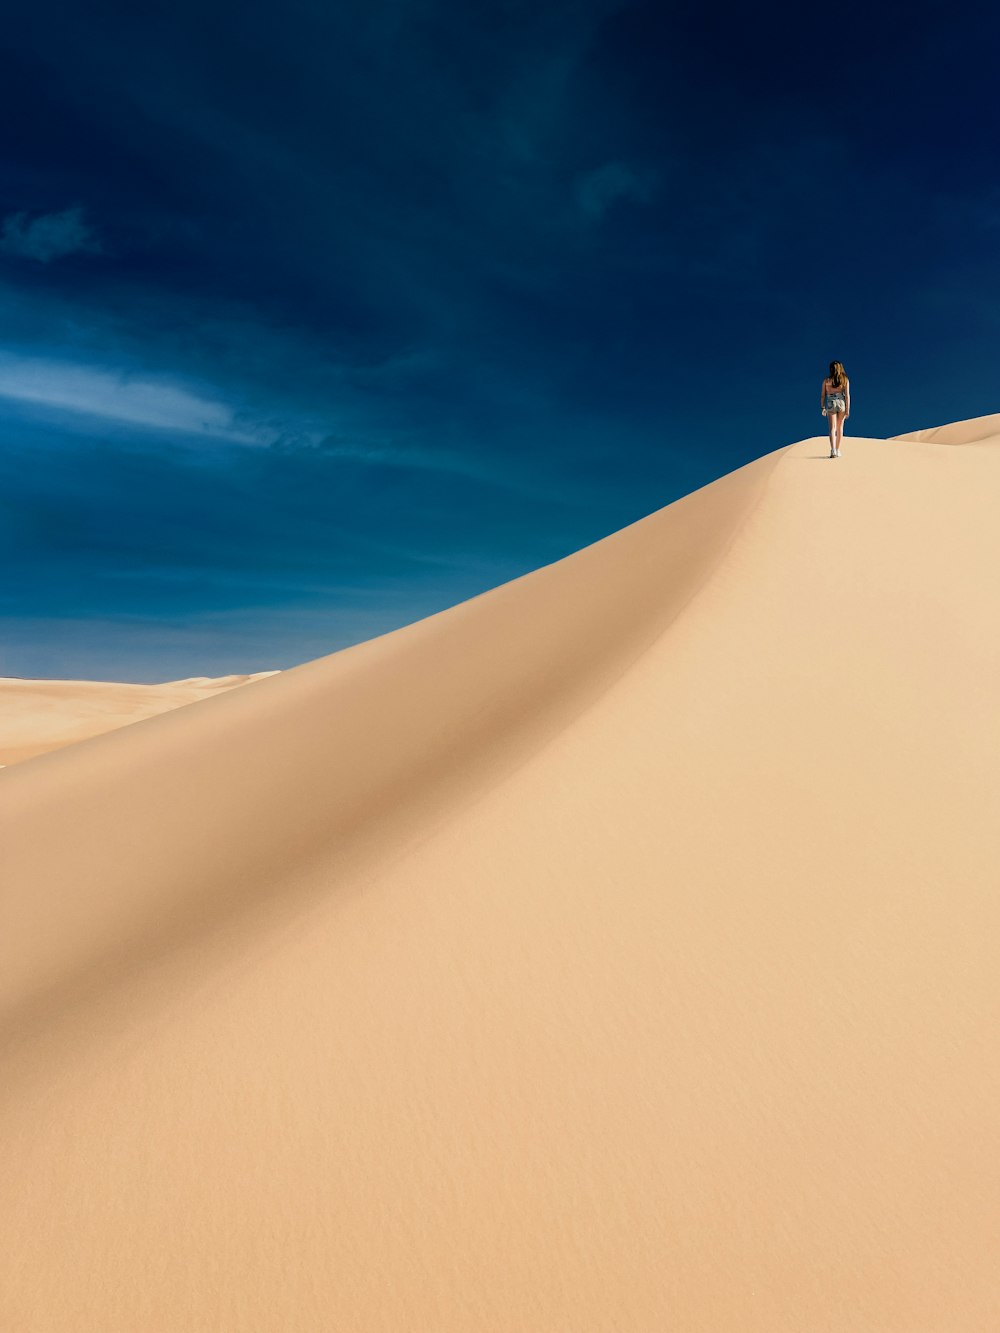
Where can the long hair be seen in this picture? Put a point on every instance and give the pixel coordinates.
(838, 374)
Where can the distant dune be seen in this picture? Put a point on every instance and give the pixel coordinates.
(613, 951)
(41, 715)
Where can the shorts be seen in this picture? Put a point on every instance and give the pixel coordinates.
(836, 402)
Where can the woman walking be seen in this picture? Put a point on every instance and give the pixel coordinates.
(835, 400)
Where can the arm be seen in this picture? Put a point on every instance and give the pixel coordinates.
(847, 387)
(822, 397)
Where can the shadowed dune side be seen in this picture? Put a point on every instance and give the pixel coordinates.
(140, 838)
(37, 716)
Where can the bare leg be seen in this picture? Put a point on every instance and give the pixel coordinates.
(832, 419)
(840, 430)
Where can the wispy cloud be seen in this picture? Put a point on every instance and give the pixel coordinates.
(407, 456)
(49, 236)
(210, 413)
(116, 396)
(597, 190)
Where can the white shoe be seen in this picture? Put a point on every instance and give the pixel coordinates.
(833, 453)
(838, 453)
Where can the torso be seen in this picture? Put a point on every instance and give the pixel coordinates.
(830, 387)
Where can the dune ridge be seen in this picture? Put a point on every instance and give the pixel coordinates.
(425, 714)
(614, 950)
(977, 430)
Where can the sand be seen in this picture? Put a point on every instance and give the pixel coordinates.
(37, 716)
(614, 951)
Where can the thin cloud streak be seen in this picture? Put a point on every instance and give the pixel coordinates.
(98, 394)
(116, 396)
(49, 236)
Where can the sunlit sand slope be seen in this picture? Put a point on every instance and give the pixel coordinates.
(616, 950)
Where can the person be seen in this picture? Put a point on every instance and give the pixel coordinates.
(835, 401)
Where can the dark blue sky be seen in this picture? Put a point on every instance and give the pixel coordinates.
(315, 319)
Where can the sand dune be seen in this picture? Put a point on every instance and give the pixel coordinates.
(615, 950)
(977, 430)
(41, 715)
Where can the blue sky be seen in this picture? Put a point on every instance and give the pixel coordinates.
(315, 319)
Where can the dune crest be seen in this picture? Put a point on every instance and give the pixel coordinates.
(373, 741)
(977, 430)
(614, 950)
